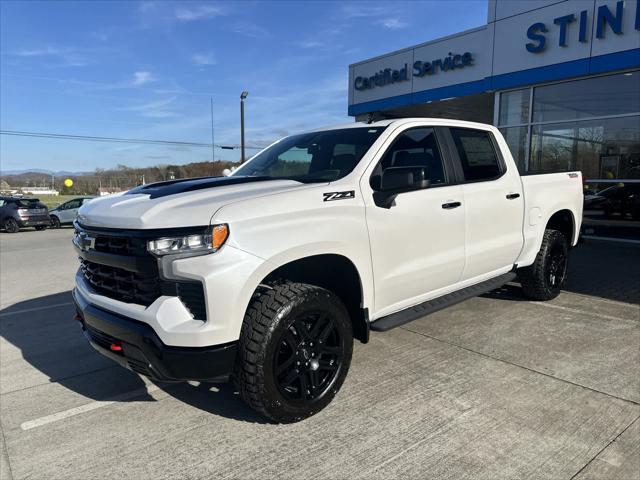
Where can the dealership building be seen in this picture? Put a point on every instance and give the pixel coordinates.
(561, 79)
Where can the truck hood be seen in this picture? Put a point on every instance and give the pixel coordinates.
(175, 204)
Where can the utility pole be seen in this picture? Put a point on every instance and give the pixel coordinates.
(243, 95)
(213, 147)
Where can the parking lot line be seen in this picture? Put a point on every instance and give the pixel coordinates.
(55, 417)
(581, 312)
(35, 309)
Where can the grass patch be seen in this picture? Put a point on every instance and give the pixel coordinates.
(54, 200)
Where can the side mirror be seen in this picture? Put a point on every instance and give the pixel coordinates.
(396, 180)
(226, 172)
(404, 179)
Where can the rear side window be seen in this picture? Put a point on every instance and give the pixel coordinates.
(477, 154)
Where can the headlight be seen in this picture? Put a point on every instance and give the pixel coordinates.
(199, 244)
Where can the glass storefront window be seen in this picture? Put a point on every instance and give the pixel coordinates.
(514, 107)
(604, 149)
(516, 138)
(592, 97)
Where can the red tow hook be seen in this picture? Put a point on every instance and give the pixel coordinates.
(116, 347)
(77, 317)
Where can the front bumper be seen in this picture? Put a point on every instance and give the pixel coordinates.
(135, 346)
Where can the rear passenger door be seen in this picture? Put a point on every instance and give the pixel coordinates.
(493, 199)
(417, 244)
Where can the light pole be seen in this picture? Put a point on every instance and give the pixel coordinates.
(243, 95)
(213, 147)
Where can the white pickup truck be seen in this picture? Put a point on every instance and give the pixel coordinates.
(266, 276)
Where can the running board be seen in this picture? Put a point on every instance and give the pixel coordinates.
(413, 313)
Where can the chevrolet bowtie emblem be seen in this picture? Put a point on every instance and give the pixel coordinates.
(84, 242)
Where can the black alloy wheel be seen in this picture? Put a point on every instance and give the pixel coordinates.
(309, 357)
(556, 266)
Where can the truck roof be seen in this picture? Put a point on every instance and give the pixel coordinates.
(400, 121)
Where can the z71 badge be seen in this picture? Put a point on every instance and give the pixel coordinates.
(331, 196)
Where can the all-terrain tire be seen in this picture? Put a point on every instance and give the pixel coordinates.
(544, 279)
(277, 343)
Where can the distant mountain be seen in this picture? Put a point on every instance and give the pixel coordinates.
(60, 173)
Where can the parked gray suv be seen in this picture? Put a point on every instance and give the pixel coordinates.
(19, 212)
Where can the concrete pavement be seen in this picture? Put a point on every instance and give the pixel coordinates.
(495, 387)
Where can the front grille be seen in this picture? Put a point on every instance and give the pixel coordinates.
(131, 246)
(142, 288)
(121, 284)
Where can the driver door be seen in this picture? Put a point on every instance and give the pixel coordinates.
(418, 243)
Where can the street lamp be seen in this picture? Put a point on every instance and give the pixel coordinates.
(243, 95)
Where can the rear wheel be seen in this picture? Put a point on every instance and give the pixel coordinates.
(41, 227)
(295, 350)
(11, 226)
(55, 222)
(545, 278)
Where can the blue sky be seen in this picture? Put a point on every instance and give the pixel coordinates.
(147, 70)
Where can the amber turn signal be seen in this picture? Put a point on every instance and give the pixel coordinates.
(219, 235)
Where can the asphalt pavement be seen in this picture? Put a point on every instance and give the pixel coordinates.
(495, 387)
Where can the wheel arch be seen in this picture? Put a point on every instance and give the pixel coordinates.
(334, 272)
(563, 221)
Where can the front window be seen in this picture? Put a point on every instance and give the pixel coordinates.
(322, 156)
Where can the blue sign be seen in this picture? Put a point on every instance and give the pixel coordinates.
(450, 62)
(604, 18)
(420, 69)
(382, 78)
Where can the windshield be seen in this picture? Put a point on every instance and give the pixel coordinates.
(313, 157)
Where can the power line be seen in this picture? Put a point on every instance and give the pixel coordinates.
(145, 141)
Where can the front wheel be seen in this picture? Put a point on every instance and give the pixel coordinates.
(545, 278)
(294, 353)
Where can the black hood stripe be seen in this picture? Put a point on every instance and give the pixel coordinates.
(173, 187)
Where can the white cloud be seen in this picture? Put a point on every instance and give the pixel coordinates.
(202, 12)
(383, 14)
(155, 109)
(311, 44)
(251, 30)
(364, 10)
(141, 78)
(146, 6)
(69, 57)
(203, 59)
(392, 23)
(38, 52)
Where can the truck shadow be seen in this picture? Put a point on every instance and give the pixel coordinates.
(41, 332)
(599, 269)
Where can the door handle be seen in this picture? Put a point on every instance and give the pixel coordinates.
(513, 196)
(450, 205)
